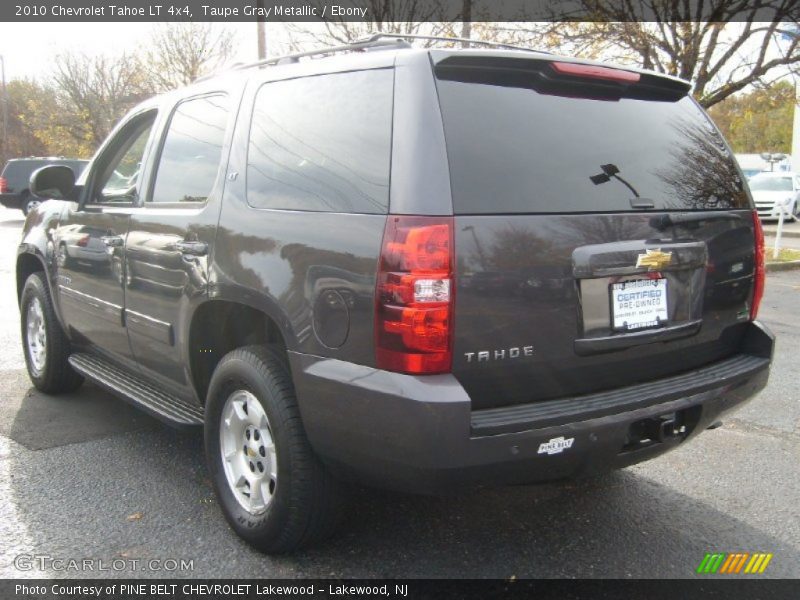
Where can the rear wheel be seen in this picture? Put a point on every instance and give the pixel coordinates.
(44, 343)
(272, 488)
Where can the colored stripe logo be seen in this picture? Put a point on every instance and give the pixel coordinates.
(734, 563)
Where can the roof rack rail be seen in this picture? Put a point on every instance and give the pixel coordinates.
(355, 46)
(440, 38)
(374, 41)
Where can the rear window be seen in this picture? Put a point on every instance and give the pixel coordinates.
(322, 143)
(517, 147)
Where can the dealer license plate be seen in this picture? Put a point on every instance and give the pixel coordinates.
(639, 304)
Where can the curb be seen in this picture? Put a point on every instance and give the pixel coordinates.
(783, 266)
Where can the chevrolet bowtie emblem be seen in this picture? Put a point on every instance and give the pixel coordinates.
(654, 259)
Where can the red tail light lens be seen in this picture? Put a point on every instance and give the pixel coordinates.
(83, 241)
(414, 296)
(595, 72)
(3, 185)
(759, 271)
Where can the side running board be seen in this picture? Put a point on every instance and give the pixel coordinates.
(133, 389)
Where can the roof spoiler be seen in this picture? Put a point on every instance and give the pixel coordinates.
(559, 76)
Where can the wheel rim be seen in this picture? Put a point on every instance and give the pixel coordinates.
(36, 337)
(248, 452)
(31, 204)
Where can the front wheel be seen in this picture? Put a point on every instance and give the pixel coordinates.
(272, 488)
(43, 341)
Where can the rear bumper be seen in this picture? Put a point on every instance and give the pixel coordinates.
(420, 433)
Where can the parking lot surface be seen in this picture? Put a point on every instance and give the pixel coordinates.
(87, 476)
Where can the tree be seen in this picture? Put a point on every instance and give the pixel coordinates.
(383, 16)
(21, 139)
(722, 46)
(180, 53)
(760, 121)
(93, 93)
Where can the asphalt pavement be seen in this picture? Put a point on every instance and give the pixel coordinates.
(86, 476)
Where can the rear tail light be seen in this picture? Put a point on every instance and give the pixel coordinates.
(83, 241)
(414, 295)
(759, 271)
(3, 185)
(595, 72)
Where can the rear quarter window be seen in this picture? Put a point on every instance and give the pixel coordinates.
(322, 143)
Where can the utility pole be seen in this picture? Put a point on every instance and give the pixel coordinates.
(466, 22)
(262, 33)
(5, 108)
(796, 131)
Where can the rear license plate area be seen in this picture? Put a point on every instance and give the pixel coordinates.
(638, 304)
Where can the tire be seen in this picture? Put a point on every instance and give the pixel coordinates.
(298, 502)
(49, 370)
(28, 202)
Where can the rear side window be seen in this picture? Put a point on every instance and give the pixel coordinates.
(192, 151)
(322, 143)
(517, 147)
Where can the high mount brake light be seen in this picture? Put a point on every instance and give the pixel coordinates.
(414, 295)
(595, 72)
(759, 271)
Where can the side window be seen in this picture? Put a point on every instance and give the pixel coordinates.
(322, 143)
(190, 158)
(119, 179)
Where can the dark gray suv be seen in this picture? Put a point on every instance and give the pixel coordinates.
(411, 268)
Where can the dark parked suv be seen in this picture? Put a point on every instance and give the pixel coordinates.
(417, 269)
(16, 175)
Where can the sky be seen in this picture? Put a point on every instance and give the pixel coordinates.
(30, 48)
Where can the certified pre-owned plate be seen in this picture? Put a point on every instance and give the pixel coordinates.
(639, 304)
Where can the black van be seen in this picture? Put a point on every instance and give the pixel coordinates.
(412, 268)
(16, 175)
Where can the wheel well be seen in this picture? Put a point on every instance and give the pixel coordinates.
(26, 265)
(221, 326)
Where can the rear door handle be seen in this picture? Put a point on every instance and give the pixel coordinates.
(113, 241)
(192, 248)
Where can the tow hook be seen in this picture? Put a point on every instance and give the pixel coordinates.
(667, 428)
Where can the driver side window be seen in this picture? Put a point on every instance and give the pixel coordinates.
(120, 179)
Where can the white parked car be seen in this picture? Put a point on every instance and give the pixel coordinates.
(771, 191)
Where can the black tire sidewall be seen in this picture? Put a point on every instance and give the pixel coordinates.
(231, 375)
(35, 289)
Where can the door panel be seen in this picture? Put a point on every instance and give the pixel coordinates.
(88, 260)
(90, 241)
(163, 284)
(170, 239)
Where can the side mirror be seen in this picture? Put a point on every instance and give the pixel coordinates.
(52, 181)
